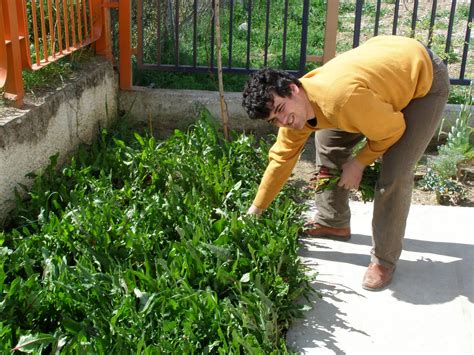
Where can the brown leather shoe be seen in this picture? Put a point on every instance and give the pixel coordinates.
(377, 277)
(318, 230)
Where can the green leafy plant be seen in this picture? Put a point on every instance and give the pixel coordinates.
(459, 137)
(327, 179)
(139, 246)
(443, 176)
(447, 190)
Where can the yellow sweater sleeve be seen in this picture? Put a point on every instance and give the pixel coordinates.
(364, 112)
(283, 156)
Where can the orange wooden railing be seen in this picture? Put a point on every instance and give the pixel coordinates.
(52, 29)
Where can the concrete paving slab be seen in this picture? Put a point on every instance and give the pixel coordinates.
(428, 307)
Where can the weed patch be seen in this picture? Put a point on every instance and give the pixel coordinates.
(143, 246)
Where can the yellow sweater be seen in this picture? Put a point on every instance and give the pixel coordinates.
(362, 90)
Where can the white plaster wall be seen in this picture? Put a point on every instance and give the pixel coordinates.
(68, 117)
(170, 109)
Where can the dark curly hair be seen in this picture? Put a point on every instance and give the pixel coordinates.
(259, 89)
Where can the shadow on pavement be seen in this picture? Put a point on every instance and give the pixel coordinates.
(441, 273)
(324, 335)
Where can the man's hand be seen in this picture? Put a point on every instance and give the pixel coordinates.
(254, 210)
(351, 174)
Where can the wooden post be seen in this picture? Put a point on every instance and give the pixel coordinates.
(332, 11)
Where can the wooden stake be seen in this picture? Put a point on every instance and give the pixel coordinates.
(150, 124)
(224, 115)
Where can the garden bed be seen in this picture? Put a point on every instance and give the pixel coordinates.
(143, 246)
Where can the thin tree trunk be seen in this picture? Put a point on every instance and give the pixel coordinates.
(224, 115)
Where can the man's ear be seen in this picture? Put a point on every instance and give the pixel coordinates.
(294, 89)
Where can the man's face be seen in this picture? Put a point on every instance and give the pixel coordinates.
(290, 111)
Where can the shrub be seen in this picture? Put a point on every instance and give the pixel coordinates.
(443, 170)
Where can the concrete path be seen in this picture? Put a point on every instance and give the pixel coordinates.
(428, 307)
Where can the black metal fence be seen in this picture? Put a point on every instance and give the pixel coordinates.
(444, 26)
(176, 35)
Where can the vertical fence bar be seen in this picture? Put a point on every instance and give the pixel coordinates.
(35, 32)
(466, 40)
(450, 30)
(51, 29)
(140, 31)
(357, 23)
(249, 29)
(231, 31)
(432, 21)
(195, 9)
(73, 24)
(395, 17)
(24, 35)
(66, 25)
(377, 18)
(79, 21)
(43, 32)
(267, 26)
(414, 18)
(125, 37)
(84, 14)
(58, 25)
(176, 34)
(158, 32)
(330, 37)
(285, 30)
(91, 25)
(304, 37)
(211, 64)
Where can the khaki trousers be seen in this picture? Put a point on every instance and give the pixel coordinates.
(395, 184)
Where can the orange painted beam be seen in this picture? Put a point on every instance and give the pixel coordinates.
(125, 57)
(3, 49)
(14, 89)
(102, 31)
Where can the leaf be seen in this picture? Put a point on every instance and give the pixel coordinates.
(28, 343)
(71, 325)
(139, 139)
(245, 277)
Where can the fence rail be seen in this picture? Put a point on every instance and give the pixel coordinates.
(35, 33)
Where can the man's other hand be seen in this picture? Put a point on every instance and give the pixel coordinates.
(351, 174)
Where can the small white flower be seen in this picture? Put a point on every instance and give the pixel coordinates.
(243, 26)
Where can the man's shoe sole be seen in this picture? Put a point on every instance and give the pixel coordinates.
(328, 236)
